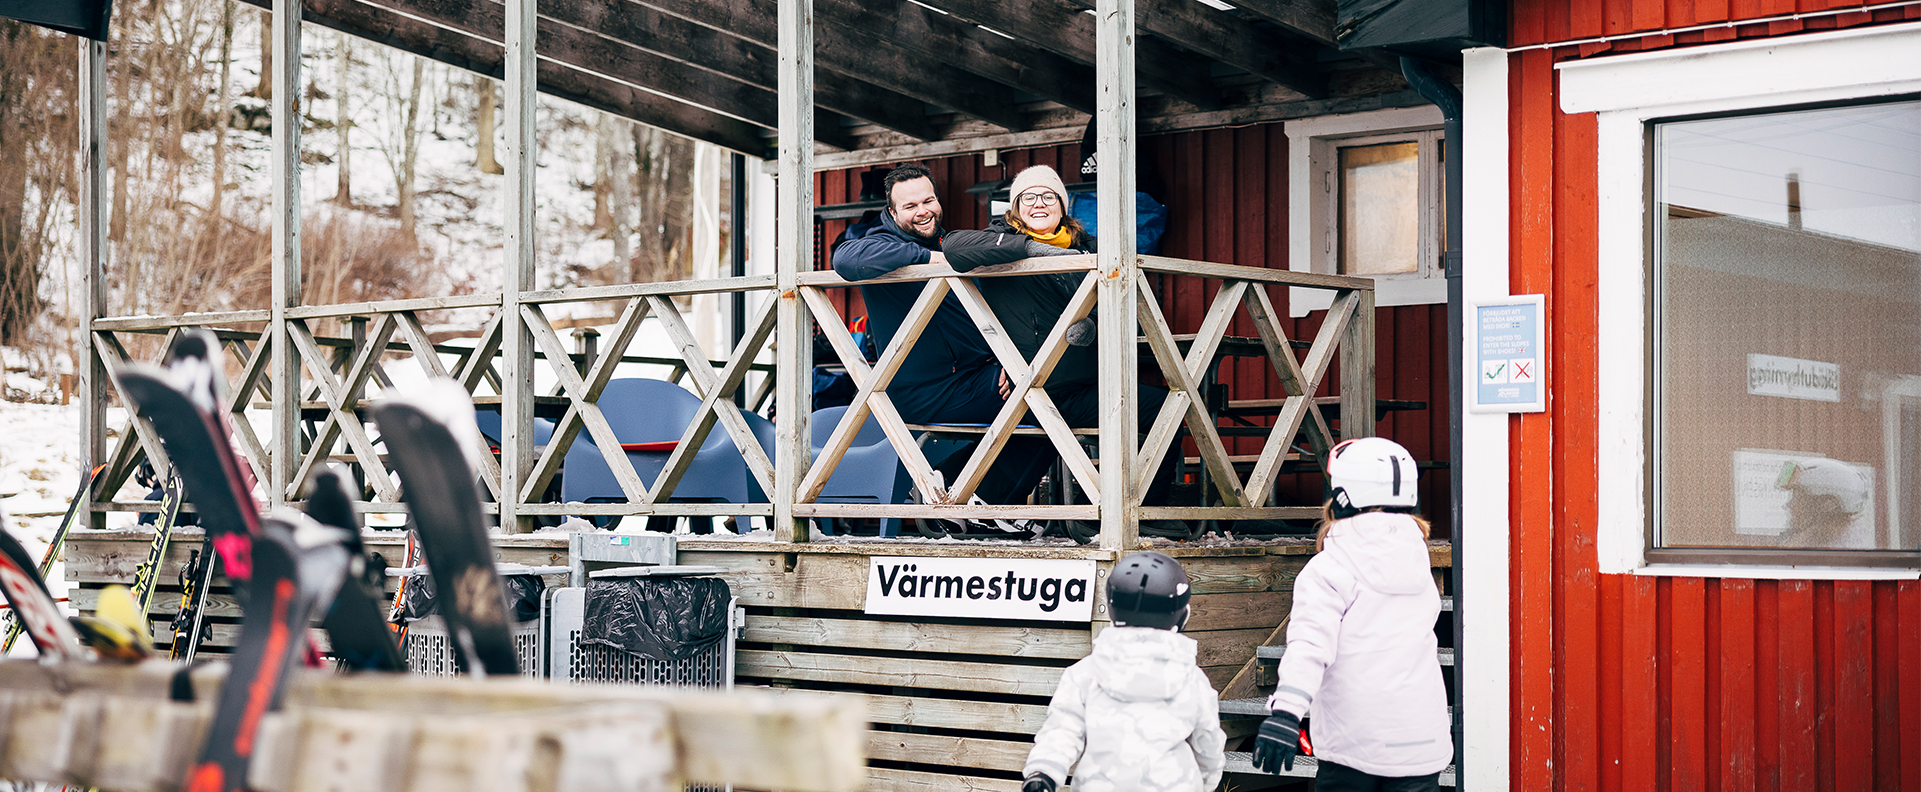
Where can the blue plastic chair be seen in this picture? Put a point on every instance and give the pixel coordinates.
(870, 471)
(652, 411)
(488, 419)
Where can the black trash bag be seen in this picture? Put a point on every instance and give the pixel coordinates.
(662, 619)
(521, 592)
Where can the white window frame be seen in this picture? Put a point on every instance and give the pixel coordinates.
(1313, 213)
(1627, 92)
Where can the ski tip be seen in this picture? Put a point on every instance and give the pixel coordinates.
(192, 343)
(444, 402)
(329, 501)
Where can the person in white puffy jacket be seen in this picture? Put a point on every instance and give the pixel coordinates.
(1361, 650)
(1137, 715)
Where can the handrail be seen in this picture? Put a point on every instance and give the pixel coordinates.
(339, 371)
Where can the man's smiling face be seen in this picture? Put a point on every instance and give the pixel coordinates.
(915, 208)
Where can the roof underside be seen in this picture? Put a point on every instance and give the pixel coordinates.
(895, 74)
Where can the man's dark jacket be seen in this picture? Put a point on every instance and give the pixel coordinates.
(948, 350)
(1027, 305)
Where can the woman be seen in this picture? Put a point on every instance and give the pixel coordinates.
(1035, 224)
(1028, 306)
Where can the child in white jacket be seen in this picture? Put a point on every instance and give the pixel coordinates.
(1360, 642)
(1137, 715)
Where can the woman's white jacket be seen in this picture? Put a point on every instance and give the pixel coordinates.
(1361, 651)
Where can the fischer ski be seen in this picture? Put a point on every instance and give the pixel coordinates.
(182, 403)
(27, 592)
(298, 564)
(354, 625)
(75, 508)
(146, 577)
(438, 485)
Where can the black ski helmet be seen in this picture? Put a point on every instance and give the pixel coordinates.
(1148, 590)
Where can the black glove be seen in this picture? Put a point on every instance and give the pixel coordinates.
(1277, 742)
(1038, 782)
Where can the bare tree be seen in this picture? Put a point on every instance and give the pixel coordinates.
(36, 143)
(223, 115)
(344, 122)
(663, 181)
(484, 137)
(402, 144)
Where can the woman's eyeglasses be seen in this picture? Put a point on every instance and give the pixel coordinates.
(1039, 199)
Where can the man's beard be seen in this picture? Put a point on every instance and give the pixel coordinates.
(909, 230)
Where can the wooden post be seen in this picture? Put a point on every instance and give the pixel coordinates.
(1357, 371)
(1118, 262)
(517, 345)
(793, 252)
(286, 249)
(93, 259)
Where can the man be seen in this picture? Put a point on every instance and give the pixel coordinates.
(950, 376)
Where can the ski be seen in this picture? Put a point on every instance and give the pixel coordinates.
(439, 488)
(27, 592)
(190, 622)
(75, 508)
(298, 564)
(146, 577)
(182, 403)
(354, 625)
(409, 559)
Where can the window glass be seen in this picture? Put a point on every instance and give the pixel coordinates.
(1380, 210)
(1788, 345)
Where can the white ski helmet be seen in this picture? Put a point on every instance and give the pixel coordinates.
(1371, 473)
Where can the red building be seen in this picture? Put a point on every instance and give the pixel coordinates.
(1653, 170)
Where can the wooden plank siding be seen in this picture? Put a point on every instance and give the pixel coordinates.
(1226, 195)
(954, 703)
(1624, 682)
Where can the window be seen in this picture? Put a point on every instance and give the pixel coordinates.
(1368, 200)
(1759, 282)
(1787, 302)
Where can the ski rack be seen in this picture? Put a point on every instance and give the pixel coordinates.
(114, 727)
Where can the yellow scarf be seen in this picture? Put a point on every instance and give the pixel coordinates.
(1060, 238)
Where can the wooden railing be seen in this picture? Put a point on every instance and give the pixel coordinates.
(340, 375)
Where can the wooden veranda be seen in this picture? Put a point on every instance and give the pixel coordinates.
(840, 75)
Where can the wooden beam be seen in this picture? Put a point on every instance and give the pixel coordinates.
(285, 262)
(1220, 36)
(1313, 19)
(521, 60)
(92, 248)
(1119, 263)
(657, 31)
(793, 253)
(1062, 27)
(576, 36)
(484, 55)
(883, 63)
(970, 48)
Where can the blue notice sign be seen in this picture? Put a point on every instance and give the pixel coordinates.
(1508, 367)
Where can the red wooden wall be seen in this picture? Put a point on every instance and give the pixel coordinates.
(1226, 193)
(1625, 682)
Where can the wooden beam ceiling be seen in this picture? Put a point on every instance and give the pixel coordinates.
(1063, 29)
(707, 68)
(967, 46)
(663, 34)
(1219, 35)
(881, 63)
(563, 40)
(412, 33)
(1310, 19)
